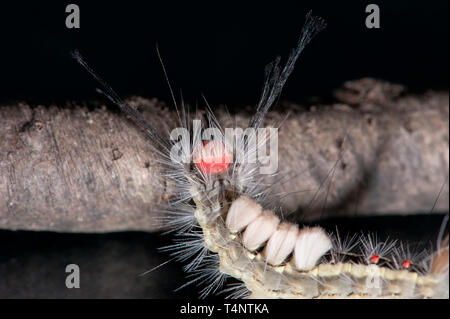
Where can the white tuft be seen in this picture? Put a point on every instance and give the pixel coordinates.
(241, 213)
(312, 243)
(260, 230)
(281, 243)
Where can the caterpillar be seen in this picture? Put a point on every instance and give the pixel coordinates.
(224, 224)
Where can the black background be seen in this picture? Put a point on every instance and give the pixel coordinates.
(218, 49)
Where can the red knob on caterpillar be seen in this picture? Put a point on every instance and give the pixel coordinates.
(406, 263)
(212, 157)
(374, 259)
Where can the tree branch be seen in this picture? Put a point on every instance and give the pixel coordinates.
(86, 168)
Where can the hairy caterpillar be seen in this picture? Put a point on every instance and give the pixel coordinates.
(224, 225)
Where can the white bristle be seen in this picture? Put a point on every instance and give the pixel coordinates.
(281, 243)
(241, 213)
(260, 230)
(312, 243)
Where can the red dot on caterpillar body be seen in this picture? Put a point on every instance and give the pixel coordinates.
(374, 259)
(212, 157)
(406, 263)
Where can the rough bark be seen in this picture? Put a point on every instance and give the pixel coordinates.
(86, 168)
